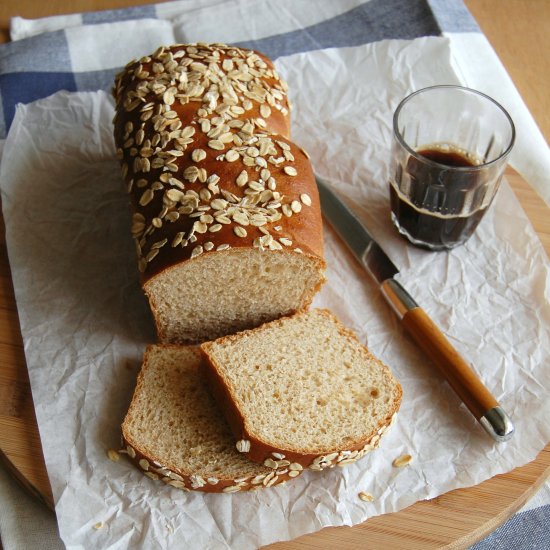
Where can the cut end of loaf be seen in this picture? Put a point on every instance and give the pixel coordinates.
(226, 292)
(176, 433)
(304, 385)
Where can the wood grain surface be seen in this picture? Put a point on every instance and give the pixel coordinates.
(518, 31)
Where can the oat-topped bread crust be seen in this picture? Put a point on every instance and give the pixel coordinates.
(202, 133)
(174, 431)
(302, 390)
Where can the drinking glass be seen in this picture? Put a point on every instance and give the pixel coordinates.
(450, 149)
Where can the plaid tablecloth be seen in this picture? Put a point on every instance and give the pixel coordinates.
(83, 52)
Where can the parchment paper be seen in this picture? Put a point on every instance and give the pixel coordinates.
(85, 322)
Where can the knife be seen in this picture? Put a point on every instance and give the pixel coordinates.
(460, 376)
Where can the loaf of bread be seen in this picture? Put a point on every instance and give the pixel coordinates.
(226, 214)
(175, 432)
(303, 390)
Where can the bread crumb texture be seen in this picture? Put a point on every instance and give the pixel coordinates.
(304, 384)
(227, 292)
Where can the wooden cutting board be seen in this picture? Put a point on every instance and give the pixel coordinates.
(454, 520)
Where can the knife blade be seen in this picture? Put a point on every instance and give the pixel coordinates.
(459, 374)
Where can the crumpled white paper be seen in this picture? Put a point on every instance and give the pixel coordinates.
(85, 321)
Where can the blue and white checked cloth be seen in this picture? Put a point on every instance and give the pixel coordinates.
(83, 52)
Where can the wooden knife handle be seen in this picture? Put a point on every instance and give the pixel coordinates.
(458, 373)
(454, 368)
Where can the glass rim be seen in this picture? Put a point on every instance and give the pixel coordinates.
(428, 161)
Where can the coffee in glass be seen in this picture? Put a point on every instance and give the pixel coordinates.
(449, 153)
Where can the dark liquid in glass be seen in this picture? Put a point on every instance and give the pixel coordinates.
(440, 229)
(448, 157)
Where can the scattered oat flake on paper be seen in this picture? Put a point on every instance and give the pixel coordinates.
(113, 455)
(367, 497)
(98, 525)
(402, 461)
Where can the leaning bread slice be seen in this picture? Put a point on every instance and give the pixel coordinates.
(301, 390)
(174, 431)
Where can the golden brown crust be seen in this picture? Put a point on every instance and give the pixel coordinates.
(269, 455)
(254, 189)
(155, 470)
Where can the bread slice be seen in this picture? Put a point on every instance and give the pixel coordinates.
(174, 431)
(303, 390)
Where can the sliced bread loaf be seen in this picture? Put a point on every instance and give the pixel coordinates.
(174, 431)
(301, 390)
(226, 215)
